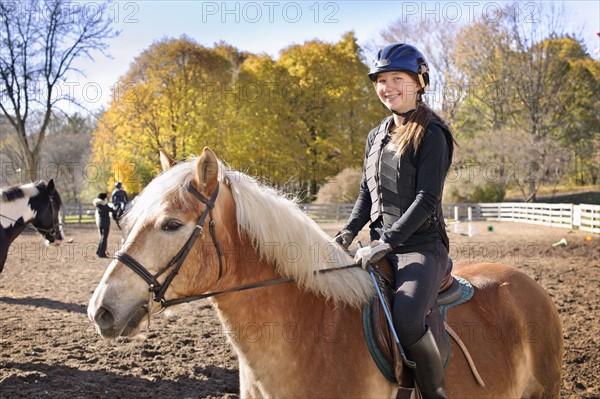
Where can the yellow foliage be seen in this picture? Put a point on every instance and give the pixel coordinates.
(299, 119)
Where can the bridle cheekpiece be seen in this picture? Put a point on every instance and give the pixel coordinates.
(158, 290)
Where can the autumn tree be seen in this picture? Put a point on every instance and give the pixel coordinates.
(258, 135)
(170, 98)
(334, 106)
(40, 42)
(582, 131)
(296, 121)
(520, 78)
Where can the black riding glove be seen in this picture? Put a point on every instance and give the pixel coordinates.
(344, 238)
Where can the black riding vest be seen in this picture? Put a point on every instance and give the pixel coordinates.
(392, 182)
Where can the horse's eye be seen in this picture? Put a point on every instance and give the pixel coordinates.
(171, 225)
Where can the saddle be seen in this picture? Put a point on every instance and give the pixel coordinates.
(379, 336)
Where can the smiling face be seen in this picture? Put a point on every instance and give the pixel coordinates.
(397, 90)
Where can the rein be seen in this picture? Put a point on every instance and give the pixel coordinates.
(258, 284)
(158, 290)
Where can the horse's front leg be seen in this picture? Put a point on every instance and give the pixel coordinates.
(249, 387)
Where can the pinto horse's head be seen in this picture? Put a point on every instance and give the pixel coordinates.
(46, 205)
(157, 229)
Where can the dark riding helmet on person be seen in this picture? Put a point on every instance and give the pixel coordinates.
(401, 57)
(118, 184)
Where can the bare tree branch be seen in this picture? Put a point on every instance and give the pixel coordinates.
(40, 42)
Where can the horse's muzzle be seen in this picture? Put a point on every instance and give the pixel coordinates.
(109, 328)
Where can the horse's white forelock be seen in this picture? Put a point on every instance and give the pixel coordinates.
(281, 233)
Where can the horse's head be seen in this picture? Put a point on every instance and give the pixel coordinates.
(47, 204)
(169, 220)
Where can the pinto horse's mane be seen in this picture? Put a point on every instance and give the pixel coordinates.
(280, 232)
(14, 193)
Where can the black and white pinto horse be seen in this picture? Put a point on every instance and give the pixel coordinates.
(36, 203)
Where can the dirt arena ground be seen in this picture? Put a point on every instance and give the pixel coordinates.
(49, 348)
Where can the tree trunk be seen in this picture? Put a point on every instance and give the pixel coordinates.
(30, 166)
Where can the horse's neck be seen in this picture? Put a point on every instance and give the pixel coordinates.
(262, 322)
(16, 213)
(253, 319)
(11, 223)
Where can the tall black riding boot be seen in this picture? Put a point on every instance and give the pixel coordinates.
(429, 373)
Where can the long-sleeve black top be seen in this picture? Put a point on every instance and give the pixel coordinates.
(416, 225)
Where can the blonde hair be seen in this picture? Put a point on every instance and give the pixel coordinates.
(413, 128)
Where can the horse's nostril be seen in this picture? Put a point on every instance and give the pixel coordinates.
(104, 318)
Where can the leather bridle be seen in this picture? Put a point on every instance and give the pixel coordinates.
(53, 231)
(158, 290)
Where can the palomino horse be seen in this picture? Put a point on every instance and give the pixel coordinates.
(299, 333)
(36, 203)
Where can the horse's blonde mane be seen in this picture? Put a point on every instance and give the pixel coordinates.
(281, 233)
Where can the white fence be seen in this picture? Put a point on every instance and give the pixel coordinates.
(78, 213)
(328, 212)
(583, 217)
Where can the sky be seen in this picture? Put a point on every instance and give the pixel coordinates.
(269, 26)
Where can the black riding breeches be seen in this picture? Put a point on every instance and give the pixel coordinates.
(418, 278)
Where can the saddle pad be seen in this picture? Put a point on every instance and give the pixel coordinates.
(467, 291)
(381, 360)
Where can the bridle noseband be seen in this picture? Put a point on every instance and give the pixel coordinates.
(159, 290)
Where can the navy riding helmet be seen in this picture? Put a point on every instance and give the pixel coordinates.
(401, 57)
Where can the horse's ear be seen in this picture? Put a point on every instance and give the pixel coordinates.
(50, 187)
(207, 171)
(165, 160)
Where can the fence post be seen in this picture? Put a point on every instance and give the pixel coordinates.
(470, 219)
(576, 216)
(456, 221)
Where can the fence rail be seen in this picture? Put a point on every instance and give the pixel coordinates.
(583, 217)
(78, 213)
(328, 212)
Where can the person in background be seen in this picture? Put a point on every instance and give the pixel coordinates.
(119, 199)
(406, 161)
(103, 212)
